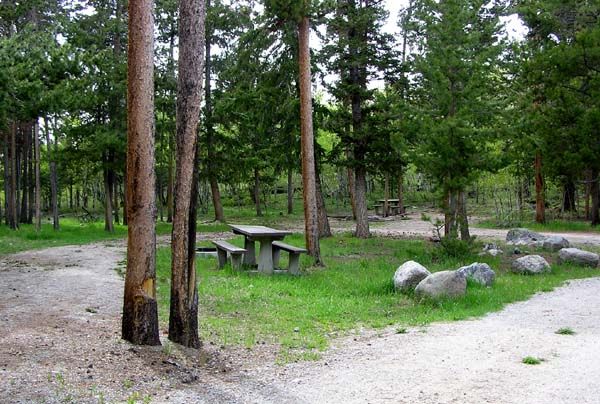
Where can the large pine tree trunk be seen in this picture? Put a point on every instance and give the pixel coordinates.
(362, 218)
(309, 186)
(540, 203)
(351, 186)
(38, 186)
(140, 310)
(183, 319)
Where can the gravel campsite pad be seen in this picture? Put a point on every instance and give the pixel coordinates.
(60, 341)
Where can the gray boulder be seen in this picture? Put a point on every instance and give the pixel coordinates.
(408, 276)
(578, 257)
(442, 284)
(555, 243)
(523, 237)
(530, 265)
(479, 272)
(491, 249)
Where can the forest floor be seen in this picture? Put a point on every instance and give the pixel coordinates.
(60, 342)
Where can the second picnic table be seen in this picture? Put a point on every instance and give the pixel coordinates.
(265, 236)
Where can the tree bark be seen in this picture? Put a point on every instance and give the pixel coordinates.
(14, 221)
(463, 219)
(183, 319)
(256, 192)
(140, 311)
(53, 175)
(362, 219)
(108, 197)
(309, 186)
(568, 202)
(588, 193)
(595, 194)
(401, 208)
(38, 187)
(26, 140)
(351, 186)
(7, 197)
(540, 203)
(170, 181)
(290, 191)
(324, 228)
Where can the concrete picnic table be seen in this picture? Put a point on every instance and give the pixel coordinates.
(265, 236)
(392, 204)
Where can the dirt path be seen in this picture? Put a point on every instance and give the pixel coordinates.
(59, 342)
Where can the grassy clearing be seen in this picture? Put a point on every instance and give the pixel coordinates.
(72, 232)
(550, 226)
(355, 290)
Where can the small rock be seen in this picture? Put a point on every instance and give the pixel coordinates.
(578, 257)
(555, 243)
(530, 265)
(442, 284)
(408, 276)
(523, 237)
(479, 272)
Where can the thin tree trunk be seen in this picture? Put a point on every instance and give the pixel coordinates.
(540, 208)
(386, 195)
(568, 202)
(170, 181)
(309, 186)
(351, 186)
(115, 193)
(212, 177)
(26, 136)
(14, 221)
(595, 194)
(463, 219)
(38, 187)
(588, 193)
(183, 319)
(401, 208)
(140, 310)
(53, 176)
(324, 228)
(256, 192)
(108, 209)
(290, 191)
(7, 196)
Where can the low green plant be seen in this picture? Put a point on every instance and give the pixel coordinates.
(565, 331)
(531, 360)
(401, 330)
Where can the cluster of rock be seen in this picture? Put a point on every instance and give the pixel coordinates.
(535, 264)
(526, 237)
(412, 276)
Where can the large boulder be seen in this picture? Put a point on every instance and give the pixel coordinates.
(408, 276)
(530, 265)
(442, 284)
(578, 257)
(555, 243)
(523, 237)
(478, 272)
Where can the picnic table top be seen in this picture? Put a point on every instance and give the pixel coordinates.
(258, 231)
(389, 200)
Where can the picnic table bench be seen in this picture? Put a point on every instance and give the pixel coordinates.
(236, 253)
(294, 259)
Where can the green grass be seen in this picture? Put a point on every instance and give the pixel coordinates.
(72, 232)
(301, 314)
(531, 360)
(550, 226)
(565, 331)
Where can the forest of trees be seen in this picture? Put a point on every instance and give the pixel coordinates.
(449, 96)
